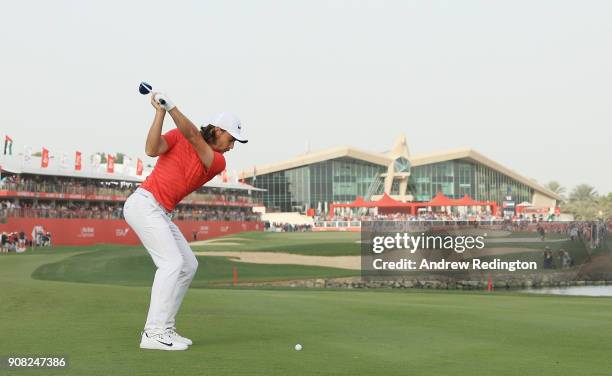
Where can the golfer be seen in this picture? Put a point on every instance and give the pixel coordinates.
(188, 158)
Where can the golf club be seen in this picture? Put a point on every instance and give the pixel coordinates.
(146, 88)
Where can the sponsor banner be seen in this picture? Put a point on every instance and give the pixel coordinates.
(87, 232)
(65, 196)
(217, 202)
(122, 232)
(115, 231)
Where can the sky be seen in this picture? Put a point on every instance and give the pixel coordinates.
(526, 83)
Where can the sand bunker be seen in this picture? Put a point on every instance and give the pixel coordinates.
(341, 262)
(221, 241)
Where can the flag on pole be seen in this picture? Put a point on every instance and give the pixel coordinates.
(139, 167)
(110, 164)
(27, 154)
(64, 163)
(8, 144)
(127, 164)
(77, 161)
(254, 175)
(44, 161)
(96, 160)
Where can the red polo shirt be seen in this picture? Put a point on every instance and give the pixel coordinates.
(179, 171)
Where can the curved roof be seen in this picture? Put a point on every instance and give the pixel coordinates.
(472, 155)
(321, 156)
(385, 160)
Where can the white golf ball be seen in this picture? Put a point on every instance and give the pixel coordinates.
(298, 347)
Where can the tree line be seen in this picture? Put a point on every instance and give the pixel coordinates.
(583, 202)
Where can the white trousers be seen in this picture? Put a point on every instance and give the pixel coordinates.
(174, 259)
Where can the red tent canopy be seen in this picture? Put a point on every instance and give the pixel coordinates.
(358, 200)
(440, 200)
(468, 201)
(387, 203)
(358, 203)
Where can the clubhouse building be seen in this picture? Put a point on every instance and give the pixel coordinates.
(342, 174)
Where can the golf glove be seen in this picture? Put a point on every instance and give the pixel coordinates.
(166, 103)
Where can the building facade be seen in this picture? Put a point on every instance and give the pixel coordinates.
(317, 185)
(457, 178)
(340, 175)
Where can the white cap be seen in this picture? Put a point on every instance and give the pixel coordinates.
(230, 123)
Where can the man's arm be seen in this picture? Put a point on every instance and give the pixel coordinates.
(191, 133)
(156, 144)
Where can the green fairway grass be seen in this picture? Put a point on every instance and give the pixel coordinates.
(577, 250)
(253, 331)
(533, 234)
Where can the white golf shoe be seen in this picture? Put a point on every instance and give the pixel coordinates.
(161, 341)
(178, 338)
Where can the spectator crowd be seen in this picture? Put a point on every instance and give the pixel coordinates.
(286, 227)
(427, 216)
(91, 187)
(18, 242)
(564, 259)
(105, 210)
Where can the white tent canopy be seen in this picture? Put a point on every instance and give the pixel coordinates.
(19, 165)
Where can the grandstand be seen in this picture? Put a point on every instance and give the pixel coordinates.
(84, 206)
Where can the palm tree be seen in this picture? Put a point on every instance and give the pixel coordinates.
(556, 187)
(583, 192)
